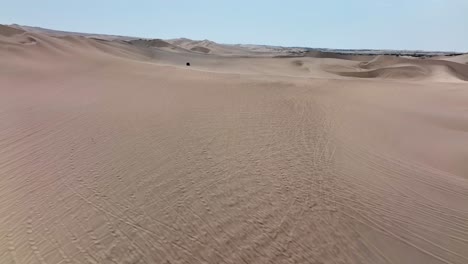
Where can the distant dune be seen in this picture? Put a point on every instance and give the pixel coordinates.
(7, 31)
(463, 59)
(157, 43)
(398, 72)
(384, 61)
(112, 150)
(332, 55)
(392, 67)
(201, 49)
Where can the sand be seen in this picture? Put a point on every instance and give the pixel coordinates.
(119, 153)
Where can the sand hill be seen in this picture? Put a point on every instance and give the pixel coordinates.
(331, 55)
(116, 152)
(210, 47)
(7, 31)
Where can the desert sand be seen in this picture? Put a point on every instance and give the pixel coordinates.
(116, 152)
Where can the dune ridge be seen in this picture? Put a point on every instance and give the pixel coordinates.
(332, 55)
(7, 31)
(392, 67)
(395, 72)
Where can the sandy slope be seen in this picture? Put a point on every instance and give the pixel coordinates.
(210, 47)
(118, 153)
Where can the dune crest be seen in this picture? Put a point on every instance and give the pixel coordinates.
(383, 61)
(332, 55)
(7, 31)
(396, 72)
(400, 68)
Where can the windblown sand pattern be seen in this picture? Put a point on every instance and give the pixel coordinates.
(113, 152)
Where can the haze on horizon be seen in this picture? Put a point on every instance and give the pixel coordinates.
(363, 24)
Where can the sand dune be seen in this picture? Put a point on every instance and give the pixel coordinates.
(201, 49)
(397, 72)
(210, 47)
(7, 31)
(157, 43)
(384, 61)
(202, 46)
(391, 67)
(463, 59)
(112, 152)
(331, 55)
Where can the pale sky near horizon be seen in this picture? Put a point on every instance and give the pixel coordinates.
(353, 24)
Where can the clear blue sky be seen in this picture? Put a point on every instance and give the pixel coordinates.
(392, 24)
